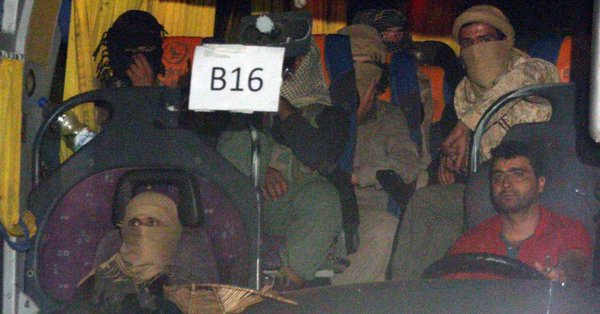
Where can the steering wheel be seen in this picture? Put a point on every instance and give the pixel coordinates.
(507, 267)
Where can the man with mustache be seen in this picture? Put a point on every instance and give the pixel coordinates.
(556, 245)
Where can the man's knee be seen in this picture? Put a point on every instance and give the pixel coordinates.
(319, 200)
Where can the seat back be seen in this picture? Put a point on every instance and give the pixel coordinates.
(570, 184)
(75, 203)
(177, 58)
(405, 91)
(556, 50)
(338, 69)
(439, 62)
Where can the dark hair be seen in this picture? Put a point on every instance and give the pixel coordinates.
(514, 149)
(130, 30)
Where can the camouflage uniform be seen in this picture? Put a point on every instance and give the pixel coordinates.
(471, 103)
(434, 216)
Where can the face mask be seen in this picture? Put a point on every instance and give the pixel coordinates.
(486, 61)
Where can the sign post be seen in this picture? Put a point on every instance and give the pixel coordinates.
(243, 79)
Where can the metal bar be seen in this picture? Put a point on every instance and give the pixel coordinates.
(594, 119)
(255, 174)
(9, 279)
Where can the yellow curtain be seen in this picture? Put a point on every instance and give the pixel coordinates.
(91, 18)
(11, 87)
(328, 15)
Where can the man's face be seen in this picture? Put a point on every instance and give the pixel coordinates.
(392, 34)
(514, 186)
(475, 33)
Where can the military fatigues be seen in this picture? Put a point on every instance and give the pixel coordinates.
(470, 103)
(309, 215)
(433, 219)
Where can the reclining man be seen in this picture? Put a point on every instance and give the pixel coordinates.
(383, 143)
(556, 245)
(301, 145)
(434, 216)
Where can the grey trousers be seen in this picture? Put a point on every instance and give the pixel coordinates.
(432, 222)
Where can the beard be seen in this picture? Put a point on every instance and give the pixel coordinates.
(513, 202)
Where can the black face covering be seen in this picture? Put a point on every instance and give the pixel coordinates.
(132, 33)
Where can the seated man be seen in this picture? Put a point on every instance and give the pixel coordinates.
(383, 143)
(434, 216)
(132, 279)
(298, 149)
(556, 245)
(392, 27)
(130, 52)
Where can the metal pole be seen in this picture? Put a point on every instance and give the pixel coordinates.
(255, 176)
(10, 290)
(594, 121)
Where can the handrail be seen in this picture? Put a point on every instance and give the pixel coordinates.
(548, 91)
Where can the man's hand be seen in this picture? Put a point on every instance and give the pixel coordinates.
(354, 179)
(445, 176)
(285, 108)
(571, 267)
(275, 185)
(455, 147)
(140, 71)
(366, 103)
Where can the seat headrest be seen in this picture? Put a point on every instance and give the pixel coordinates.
(180, 185)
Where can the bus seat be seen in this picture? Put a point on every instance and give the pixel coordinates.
(74, 204)
(450, 42)
(193, 260)
(336, 56)
(405, 91)
(556, 50)
(387, 94)
(438, 61)
(177, 58)
(570, 184)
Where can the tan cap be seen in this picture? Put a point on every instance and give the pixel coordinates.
(484, 14)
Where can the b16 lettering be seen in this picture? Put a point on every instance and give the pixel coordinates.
(218, 79)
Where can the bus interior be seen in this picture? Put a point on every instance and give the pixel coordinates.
(59, 208)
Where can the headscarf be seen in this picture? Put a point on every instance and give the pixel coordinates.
(307, 85)
(365, 42)
(486, 61)
(389, 18)
(130, 31)
(383, 19)
(484, 14)
(146, 251)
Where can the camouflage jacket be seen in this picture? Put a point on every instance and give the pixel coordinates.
(471, 102)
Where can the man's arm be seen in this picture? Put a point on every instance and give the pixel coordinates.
(313, 146)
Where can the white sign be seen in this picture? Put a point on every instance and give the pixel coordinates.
(236, 78)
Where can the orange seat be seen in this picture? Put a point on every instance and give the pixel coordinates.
(320, 41)
(387, 94)
(563, 62)
(436, 79)
(178, 55)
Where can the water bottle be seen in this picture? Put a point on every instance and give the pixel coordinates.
(74, 133)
